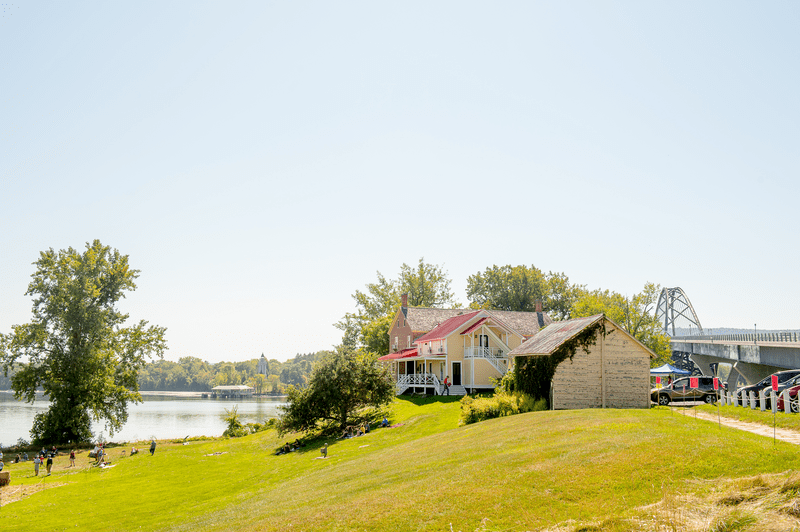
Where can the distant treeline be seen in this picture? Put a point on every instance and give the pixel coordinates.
(191, 374)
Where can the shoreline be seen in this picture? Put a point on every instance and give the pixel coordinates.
(151, 393)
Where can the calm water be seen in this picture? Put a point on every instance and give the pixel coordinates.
(159, 416)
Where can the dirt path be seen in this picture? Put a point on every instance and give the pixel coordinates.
(786, 435)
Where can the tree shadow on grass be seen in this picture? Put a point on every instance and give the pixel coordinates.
(428, 399)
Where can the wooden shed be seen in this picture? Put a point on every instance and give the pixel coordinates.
(615, 373)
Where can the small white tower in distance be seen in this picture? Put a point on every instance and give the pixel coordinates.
(263, 366)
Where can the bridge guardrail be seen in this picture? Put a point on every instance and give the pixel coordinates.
(751, 337)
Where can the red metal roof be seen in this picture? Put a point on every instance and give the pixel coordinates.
(446, 328)
(403, 353)
(474, 326)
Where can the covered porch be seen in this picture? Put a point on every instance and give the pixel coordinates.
(416, 373)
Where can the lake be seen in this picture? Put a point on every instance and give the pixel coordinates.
(161, 415)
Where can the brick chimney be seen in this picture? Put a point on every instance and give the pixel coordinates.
(404, 300)
(538, 305)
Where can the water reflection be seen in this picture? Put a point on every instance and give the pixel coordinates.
(159, 416)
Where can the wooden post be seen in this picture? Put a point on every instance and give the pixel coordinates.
(602, 371)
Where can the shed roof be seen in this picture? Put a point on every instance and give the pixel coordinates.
(551, 337)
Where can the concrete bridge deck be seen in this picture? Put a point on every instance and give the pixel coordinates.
(753, 356)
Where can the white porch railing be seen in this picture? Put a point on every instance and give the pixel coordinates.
(418, 379)
(494, 355)
(432, 351)
(482, 352)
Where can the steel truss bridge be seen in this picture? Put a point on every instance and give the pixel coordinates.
(752, 356)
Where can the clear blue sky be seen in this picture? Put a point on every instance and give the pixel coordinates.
(260, 161)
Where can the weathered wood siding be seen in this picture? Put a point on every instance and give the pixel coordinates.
(578, 383)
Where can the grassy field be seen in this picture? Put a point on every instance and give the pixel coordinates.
(565, 470)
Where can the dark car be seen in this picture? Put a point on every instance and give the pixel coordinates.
(784, 378)
(680, 390)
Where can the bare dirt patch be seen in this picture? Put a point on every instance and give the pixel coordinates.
(12, 493)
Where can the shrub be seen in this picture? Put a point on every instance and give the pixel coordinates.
(235, 428)
(480, 408)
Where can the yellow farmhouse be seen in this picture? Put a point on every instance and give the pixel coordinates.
(471, 347)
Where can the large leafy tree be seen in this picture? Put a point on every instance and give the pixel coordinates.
(76, 348)
(427, 285)
(636, 315)
(519, 287)
(342, 384)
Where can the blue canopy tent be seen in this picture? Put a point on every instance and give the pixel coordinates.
(668, 369)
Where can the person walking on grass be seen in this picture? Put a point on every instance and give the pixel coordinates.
(49, 463)
(152, 446)
(36, 462)
(72, 458)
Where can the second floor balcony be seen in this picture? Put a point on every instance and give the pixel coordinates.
(484, 352)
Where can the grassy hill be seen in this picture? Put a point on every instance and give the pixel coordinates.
(564, 469)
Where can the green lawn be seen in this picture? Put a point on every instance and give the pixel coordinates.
(519, 473)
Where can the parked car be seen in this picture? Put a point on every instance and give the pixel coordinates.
(680, 390)
(794, 405)
(794, 381)
(784, 377)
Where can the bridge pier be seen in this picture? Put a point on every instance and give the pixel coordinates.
(752, 373)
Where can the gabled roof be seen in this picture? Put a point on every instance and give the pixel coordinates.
(445, 329)
(474, 326)
(425, 319)
(525, 323)
(555, 334)
(551, 337)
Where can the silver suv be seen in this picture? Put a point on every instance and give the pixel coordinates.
(680, 390)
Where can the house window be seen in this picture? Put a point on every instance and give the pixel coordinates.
(408, 341)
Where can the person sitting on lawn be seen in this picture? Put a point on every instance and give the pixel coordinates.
(385, 422)
(324, 450)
